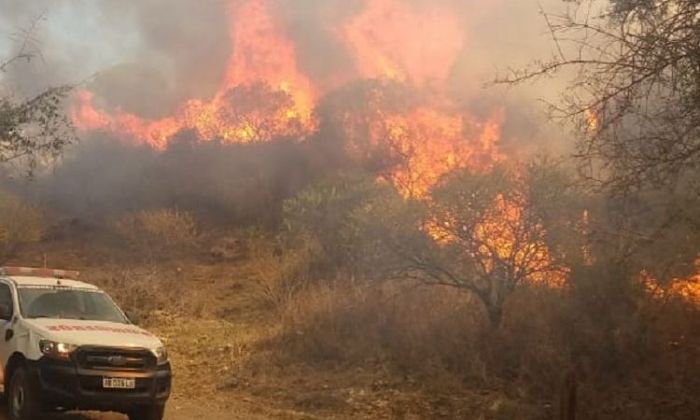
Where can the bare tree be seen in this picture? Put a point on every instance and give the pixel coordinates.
(479, 232)
(635, 95)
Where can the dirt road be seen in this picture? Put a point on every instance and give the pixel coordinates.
(175, 411)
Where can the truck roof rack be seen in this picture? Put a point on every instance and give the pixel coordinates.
(39, 272)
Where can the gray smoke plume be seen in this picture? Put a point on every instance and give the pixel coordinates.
(149, 56)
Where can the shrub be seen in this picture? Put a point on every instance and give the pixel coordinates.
(19, 223)
(279, 275)
(632, 352)
(158, 231)
(328, 213)
(352, 323)
(147, 290)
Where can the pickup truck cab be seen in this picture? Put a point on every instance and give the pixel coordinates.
(65, 345)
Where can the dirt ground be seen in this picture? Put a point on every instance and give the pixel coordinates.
(175, 411)
(214, 324)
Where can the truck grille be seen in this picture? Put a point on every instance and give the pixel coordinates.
(115, 359)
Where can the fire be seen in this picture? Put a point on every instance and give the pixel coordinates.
(504, 239)
(394, 40)
(501, 238)
(264, 94)
(428, 144)
(84, 114)
(262, 71)
(424, 135)
(687, 289)
(262, 53)
(592, 121)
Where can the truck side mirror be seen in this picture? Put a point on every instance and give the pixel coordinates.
(133, 317)
(5, 312)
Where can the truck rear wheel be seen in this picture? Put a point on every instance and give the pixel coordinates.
(153, 412)
(22, 401)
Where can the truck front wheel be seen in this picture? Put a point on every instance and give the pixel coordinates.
(22, 401)
(154, 412)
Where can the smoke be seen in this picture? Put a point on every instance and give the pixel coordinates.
(222, 184)
(142, 56)
(149, 57)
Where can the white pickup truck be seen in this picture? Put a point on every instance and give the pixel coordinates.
(65, 345)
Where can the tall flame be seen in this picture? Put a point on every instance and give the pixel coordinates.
(262, 53)
(392, 39)
(430, 143)
(263, 95)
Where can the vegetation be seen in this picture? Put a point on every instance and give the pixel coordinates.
(153, 231)
(635, 93)
(498, 292)
(35, 128)
(20, 223)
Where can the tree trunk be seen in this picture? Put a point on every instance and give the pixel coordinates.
(495, 315)
(567, 396)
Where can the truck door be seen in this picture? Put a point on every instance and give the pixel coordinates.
(7, 308)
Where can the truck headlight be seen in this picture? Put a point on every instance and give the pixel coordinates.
(56, 349)
(161, 355)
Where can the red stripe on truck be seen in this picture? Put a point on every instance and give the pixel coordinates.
(101, 328)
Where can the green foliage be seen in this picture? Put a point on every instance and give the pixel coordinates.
(486, 233)
(331, 212)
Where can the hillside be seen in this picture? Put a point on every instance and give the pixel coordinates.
(221, 334)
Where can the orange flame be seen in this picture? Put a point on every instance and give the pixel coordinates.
(687, 289)
(592, 121)
(264, 95)
(262, 53)
(263, 69)
(504, 239)
(501, 238)
(429, 144)
(394, 40)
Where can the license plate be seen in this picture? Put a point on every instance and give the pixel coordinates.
(118, 383)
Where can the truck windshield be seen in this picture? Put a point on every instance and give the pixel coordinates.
(69, 303)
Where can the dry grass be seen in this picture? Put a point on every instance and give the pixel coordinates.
(146, 289)
(349, 349)
(278, 277)
(416, 328)
(20, 223)
(440, 336)
(158, 231)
